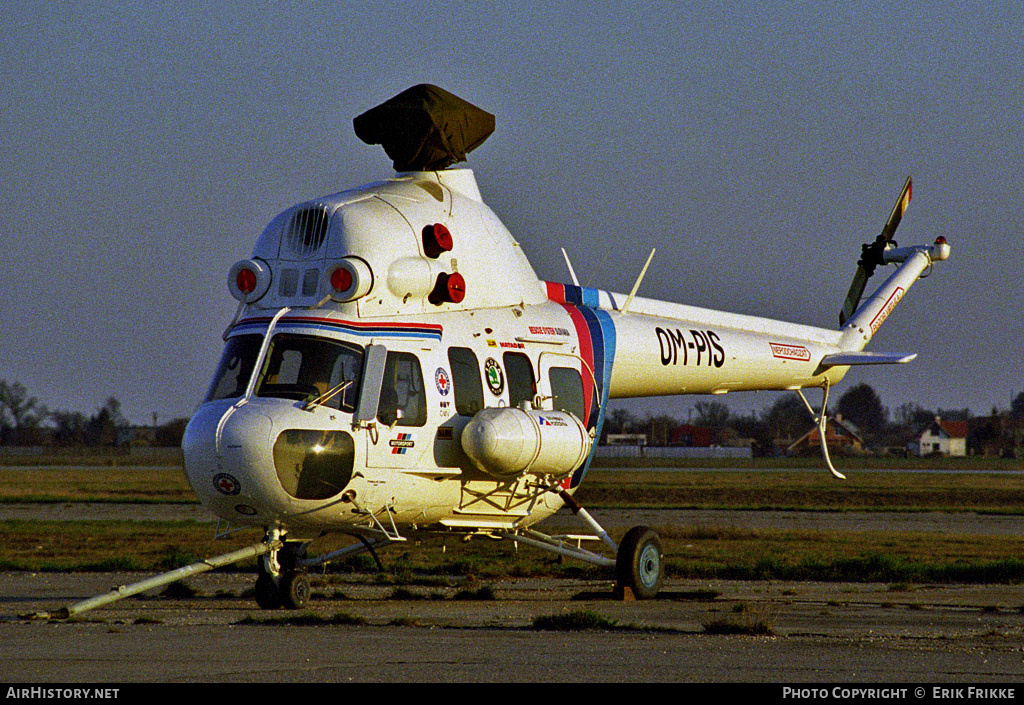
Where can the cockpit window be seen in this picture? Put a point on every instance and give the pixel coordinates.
(235, 367)
(308, 368)
(300, 367)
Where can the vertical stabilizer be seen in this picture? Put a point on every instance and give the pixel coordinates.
(872, 313)
(872, 254)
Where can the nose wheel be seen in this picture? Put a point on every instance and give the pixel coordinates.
(295, 590)
(280, 583)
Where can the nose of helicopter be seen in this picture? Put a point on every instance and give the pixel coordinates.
(229, 459)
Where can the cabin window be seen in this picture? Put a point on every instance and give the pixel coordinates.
(235, 367)
(402, 400)
(305, 367)
(566, 390)
(521, 384)
(469, 390)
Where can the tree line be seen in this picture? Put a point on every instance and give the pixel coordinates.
(860, 407)
(25, 421)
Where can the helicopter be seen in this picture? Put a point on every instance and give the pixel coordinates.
(396, 366)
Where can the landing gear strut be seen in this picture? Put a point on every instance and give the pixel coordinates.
(282, 580)
(639, 560)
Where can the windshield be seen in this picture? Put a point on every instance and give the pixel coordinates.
(300, 367)
(235, 367)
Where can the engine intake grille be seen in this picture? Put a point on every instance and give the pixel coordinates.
(306, 230)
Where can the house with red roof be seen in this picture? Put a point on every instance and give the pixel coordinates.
(941, 438)
(840, 434)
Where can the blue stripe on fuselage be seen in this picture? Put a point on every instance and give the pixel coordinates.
(582, 296)
(602, 335)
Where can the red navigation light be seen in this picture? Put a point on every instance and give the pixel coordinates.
(456, 288)
(436, 239)
(940, 240)
(443, 236)
(349, 279)
(449, 288)
(246, 281)
(341, 279)
(249, 280)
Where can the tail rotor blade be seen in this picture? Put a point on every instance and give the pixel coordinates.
(860, 280)
(871, 254)
(897, 212)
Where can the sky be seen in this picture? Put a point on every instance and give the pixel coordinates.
(144, 146)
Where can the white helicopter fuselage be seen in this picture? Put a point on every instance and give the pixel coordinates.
(396, 365)
(378, 325)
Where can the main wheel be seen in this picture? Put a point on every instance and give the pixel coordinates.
(268, 594)
(638, 564)
(294, 589)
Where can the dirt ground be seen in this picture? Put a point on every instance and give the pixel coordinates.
(820, 632)
(360, 630)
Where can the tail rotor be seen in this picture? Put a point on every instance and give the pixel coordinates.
(872, 254)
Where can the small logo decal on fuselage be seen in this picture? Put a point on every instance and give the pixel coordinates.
(442, 381)
(402, 443)
(495, 377)
(785, 351)
(227, 484)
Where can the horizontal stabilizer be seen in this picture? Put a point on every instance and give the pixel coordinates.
(866, 358)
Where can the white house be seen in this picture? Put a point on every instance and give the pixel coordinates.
(941, 437)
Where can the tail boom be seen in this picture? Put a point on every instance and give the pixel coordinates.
(659, 356)
(664, 348)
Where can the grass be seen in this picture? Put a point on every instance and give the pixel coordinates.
(303, 619)
(579, 620)
(587, 620)
(468, 594)
(842, 462)
(98, 484)
(147, 621)
(576, 621)
(864, 490)
(79, 456)
(729, 626)
(701, 553)
(862, 568)
(875, 556)
(401, 593)
(697, 595)
(485, 593)
(991, 491)
(745, 619)
(110, 545)
(767, 484)
(178, 590)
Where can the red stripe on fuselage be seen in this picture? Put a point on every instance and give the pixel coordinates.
(587, 353)
(361, 325)
(556, 292)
